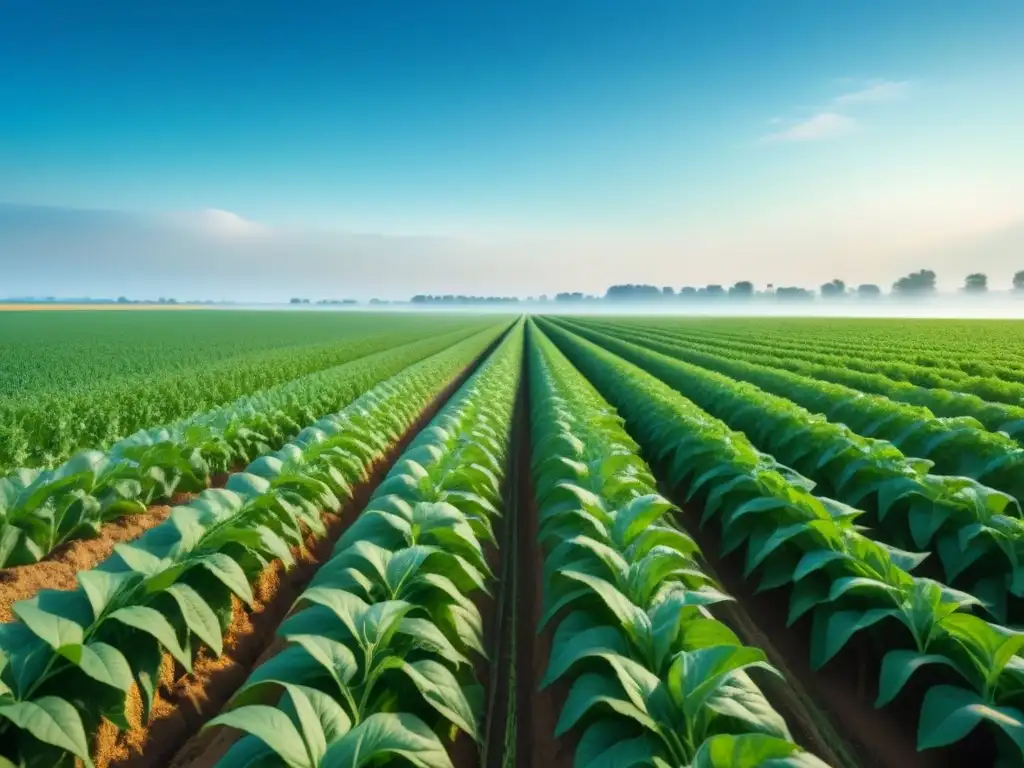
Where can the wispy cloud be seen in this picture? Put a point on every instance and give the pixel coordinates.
(216, 222)
(822, 126)
(832, 120)
(876, 92)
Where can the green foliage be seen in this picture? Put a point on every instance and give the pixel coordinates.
(957, 446)
(69, 659)
(975, 531)
(84, 380)
(377, 662)
(656, 680)
(843, 581)
(41, 509)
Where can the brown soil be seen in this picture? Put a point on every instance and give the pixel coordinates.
(537, 710)
(500, 625)
(830, 711)
(60, 568)
(185, 702)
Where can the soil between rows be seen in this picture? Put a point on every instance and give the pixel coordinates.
(537, 710)
(60, 568)
(831, 711)
(187, 702)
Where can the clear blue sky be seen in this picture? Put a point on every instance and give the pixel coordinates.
(678, 131)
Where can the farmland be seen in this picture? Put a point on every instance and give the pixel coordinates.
(344, 539)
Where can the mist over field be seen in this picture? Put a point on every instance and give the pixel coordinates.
(216, 255)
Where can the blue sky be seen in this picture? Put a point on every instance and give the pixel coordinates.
(517, 147)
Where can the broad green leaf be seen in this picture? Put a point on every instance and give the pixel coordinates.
(898, 667)
(198, 616)
(152, 622)
(333, 656)
(696, 675)
(101, 662)
(949, 714)
(229, 573)
(752, 750)
(51, 720)
(592, 690)
(382, 735)
(271, 726)
(613, 744)
(441, 690)
(832, 630)
(570, 647)
(61, 622)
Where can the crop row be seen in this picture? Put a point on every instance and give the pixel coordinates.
(40, 509)
(656, 679)
(976, 532)
(46, 424)
(72, 658)
(377, 660)
(977, 348)
(959, 446)
(927, 368)
(942, 398)
(839, 580)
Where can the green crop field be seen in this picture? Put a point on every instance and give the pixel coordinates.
(320, 539)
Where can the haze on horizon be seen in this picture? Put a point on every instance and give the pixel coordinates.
(255, 151)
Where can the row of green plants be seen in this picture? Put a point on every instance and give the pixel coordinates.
(999, 382)
(975, 531)
(950, 349)
(839, 581)
(96, 384)
(655, 678)
(942, 398)
(379, 651)
(957, 446)
(71, 658)
(41, 509)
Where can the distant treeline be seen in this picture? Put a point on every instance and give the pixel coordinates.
(448, 298)
(917, 284)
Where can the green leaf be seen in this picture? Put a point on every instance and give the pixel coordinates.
(51, 720)
(152, 622)
(271, 726)
(384, 734)
(569, 647)
(307, 719)
(101, 662)
(199, 617)
(229, 573)
(612, 744)
(591, 690)
(637, 515)
(100, 587)
(333, 656)
(949, 714)
(833, 630)
(53, 625)
(696, 675)
(897, 668)
(816, 560)
(752, 750)
(441, 690)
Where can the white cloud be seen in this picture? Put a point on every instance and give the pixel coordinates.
(225, 223)
(877, 92)
(824, 125)
(214, 222)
